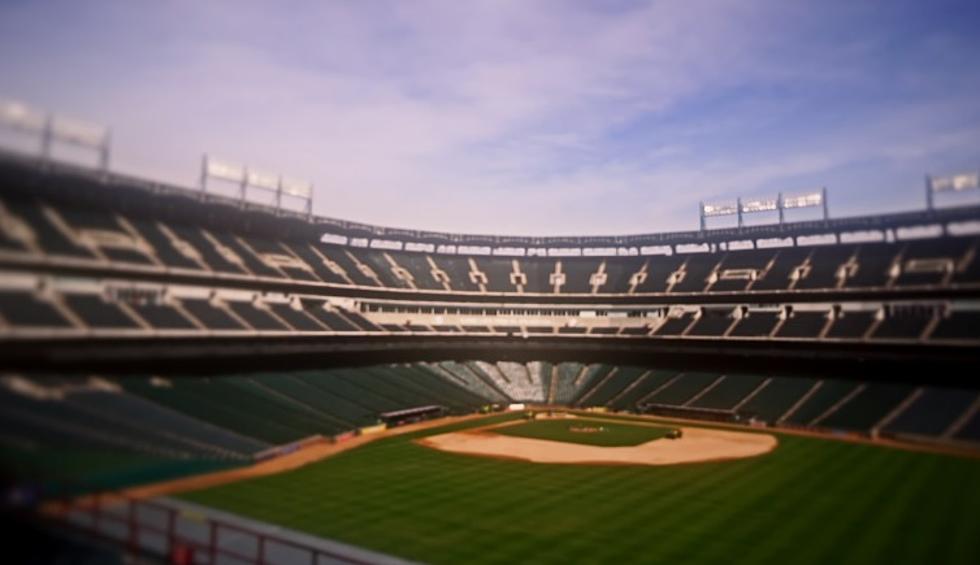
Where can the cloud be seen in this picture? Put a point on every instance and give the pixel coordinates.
(509, 116)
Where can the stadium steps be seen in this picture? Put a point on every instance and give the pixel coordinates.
(476, 382)
(867, 407)
(810, 392)
(651, 382)
(599, 384)
(289, 388)
(565, 376)
(483, 372)
(614, 384)
(961, 424)
(343, 383)
(552, 384)
(314, 386)
(60, 421)
(127, 410)
(589, 375)
(223, 406)
(837, 405)
(765, 382)
(899, 409)
(630, 387)
(932, 412)
(705, 390)
(456, 395)
(682, 389)
(728, 393)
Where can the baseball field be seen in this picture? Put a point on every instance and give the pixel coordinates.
(807, 500)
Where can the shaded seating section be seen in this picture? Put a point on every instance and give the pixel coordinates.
(614, 385)
(777, 277)
(161, 316)
(240, 405)
(97, 312)
(619, 274)
(755, 324)
(256, 317)
(675, 325)
(713, 322)
(517, 382)
(246, 252)
(958, 325)
(163, 245)
(209, 253)
(970, 430)
(823, 399)
(578, 274)
(382, 268)
(24, 309)
(458, 271)
(131, 411)
(658, 269)
(736, 265)
(867, 408)
(728, 392)
(682, 389)
(305, 251)
(497, 271)
(565, 388)
(851, 324)
(315, 389)
(51, 240)
(776, 397)
(468, 378)
(120, 246)
(211, 316)
(802, 324)
(930, 261)
(251, 262)
(649, 383)
(340, 257)
(904, 323)
(697, 267)
(422, 272)
(298, 319)
(540, 372)
(822, 267)
(586, 380)
(874, 263)
(65, 423)
(332, 320)
(932, 412)
(274, 257)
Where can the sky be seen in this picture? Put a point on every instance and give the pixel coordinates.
(532, 117)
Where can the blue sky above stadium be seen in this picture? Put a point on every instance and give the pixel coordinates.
(542, 117)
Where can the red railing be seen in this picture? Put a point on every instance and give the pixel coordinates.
(181, 535)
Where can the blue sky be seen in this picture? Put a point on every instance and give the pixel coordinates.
(520, 116)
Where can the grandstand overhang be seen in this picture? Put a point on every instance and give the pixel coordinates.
(940, 365)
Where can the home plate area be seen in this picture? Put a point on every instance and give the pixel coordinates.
(597, 441)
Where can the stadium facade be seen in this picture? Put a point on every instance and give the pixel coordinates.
(177, 323)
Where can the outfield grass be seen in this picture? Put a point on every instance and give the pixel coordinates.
(611, 435)
(811, 501)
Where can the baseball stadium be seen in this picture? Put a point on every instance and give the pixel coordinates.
(220, 372)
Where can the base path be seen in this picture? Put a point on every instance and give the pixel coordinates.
(696, 445)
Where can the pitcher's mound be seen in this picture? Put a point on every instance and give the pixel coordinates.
(696, 445)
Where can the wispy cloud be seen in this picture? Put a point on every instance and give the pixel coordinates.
(514, 116)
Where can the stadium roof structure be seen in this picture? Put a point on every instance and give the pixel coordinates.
(48, 177)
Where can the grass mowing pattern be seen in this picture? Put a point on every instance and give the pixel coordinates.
(612, 435)
(811, 501)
